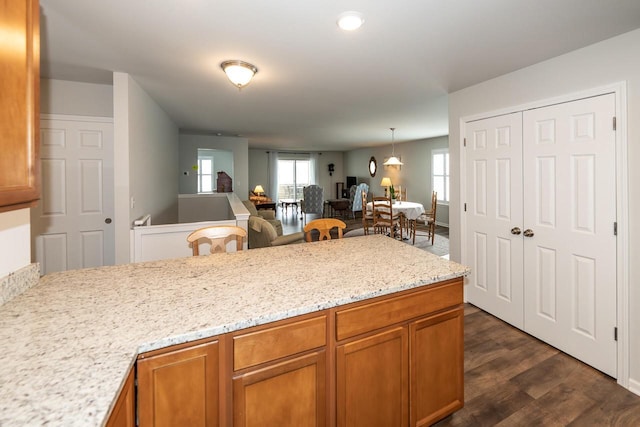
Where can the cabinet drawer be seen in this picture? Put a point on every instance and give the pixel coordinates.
(392, 310)
(265, 345)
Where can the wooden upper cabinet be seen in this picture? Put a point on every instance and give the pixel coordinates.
(19, 104)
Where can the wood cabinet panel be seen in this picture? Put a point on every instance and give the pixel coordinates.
(437, 366)
(393, 310)
(124, 410)
(180, 387)
(253, 348)
(372, 380)
(286, 394)
(19, 104)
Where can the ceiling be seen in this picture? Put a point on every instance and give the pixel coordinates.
(318, 87)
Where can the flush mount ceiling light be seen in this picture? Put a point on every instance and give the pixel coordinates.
(350, 21)
(239, 72)
(393, 160)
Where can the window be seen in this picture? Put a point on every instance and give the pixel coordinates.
(292, 176)
(205, 171)
(440, 173)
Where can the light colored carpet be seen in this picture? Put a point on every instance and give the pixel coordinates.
(440, 245)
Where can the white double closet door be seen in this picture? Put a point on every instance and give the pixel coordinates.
(540, 214)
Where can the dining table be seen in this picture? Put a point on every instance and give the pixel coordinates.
(410, 210)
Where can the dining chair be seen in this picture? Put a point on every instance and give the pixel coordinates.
(401, 194)
(427, 221)
(385, 221)
(367, 214)
(324, 227)
(217, 236)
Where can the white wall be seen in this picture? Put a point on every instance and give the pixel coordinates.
(15, 247)
(189, 144)
(259, 170)
(414, 175)
(145, 159)
(75, 98)
(601, 64)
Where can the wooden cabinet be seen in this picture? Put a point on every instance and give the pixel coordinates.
(280, 374)
(124, 410)
(436, 364)
(19, 104)
(180, 387)
(395, 360)
(372, 386)
(411, 374)
(290, 393)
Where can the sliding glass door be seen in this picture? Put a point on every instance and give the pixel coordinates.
(293, 175)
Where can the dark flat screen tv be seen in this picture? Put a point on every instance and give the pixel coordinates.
(351, 180)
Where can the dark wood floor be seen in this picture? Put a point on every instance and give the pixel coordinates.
(512, 379)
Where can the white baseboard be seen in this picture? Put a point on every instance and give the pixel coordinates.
(634, 386)
(442, 224)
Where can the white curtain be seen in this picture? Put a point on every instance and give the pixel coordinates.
(273, 175)
(314, 168)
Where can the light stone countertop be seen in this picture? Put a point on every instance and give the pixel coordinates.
(68, 342)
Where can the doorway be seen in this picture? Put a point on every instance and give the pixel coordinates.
(72, 226)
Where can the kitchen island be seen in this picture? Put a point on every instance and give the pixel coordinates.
(70, 341)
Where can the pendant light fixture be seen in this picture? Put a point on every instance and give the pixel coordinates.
(393, 160)
(239, 72)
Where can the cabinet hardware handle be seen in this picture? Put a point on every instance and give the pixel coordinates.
(528, 232)
(515, 230)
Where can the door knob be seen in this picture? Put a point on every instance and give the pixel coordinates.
(515, 230)
(107, 221)
(528, 232)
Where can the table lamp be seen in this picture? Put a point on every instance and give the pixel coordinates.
(258, 190)
(386, 183)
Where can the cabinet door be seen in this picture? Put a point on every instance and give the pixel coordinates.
(290, 393)
(180, 388)
(436, 366)
(19, 104)
(372, 380)
(124, 411)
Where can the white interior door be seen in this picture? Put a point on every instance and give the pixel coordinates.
(494, 208)
(570, 207)
(72, 226)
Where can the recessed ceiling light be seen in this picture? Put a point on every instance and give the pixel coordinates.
(350, 21)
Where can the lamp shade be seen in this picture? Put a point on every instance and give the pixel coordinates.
(386, 182)
(258, 189)
(239, 72)
(393, 161)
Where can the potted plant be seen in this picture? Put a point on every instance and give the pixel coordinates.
(392, 193)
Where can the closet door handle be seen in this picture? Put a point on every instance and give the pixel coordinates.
(528, 232)
(515, 230)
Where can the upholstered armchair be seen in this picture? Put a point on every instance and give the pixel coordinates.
(313, 200)
(356, 198)
(263, 235)
(267, 214)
